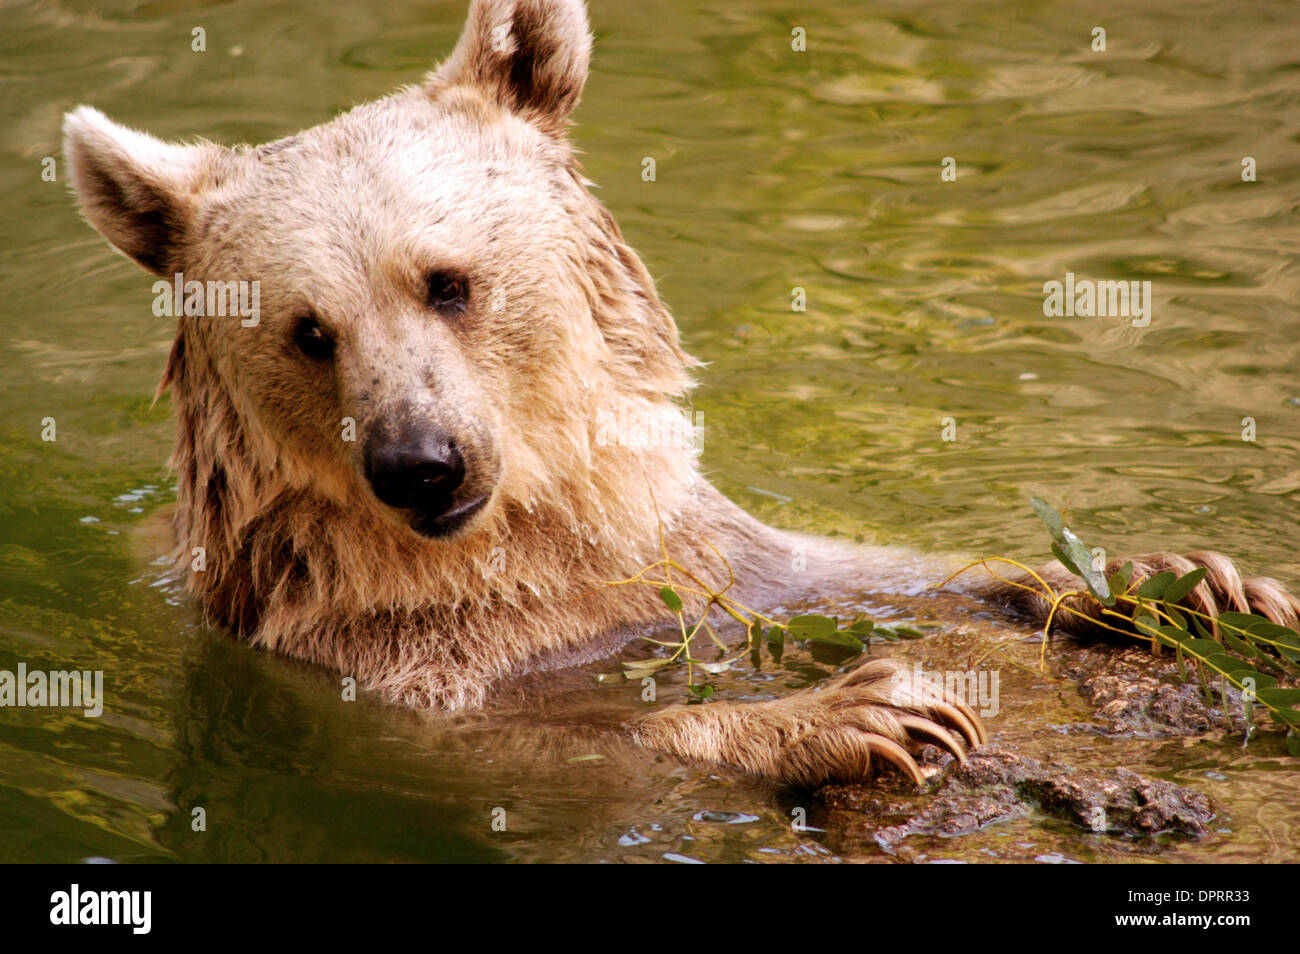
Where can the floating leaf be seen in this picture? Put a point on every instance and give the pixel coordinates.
(861, 626)
(647, 663)
(811, 626)
(702, 691)
(713, 668)
(840, 640)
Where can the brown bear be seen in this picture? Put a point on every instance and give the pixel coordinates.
(394, 469)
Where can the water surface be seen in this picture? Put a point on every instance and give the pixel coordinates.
(775, 169)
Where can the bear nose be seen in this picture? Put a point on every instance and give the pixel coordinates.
(422, 475)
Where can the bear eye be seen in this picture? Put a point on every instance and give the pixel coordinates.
(447, 292)
(312, 340)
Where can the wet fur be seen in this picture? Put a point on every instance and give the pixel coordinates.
(303, 560)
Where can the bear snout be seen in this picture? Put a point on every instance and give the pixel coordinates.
(420, 473)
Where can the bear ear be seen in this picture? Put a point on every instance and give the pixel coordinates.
(137, 191)
(530, 56)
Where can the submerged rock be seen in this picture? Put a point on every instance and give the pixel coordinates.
(999, 785)
(1141, 695)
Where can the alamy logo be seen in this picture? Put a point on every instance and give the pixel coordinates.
(55, 689)
(976, 688)
(208, 299)
(669, 428)
(103, 907)
(1089, 299)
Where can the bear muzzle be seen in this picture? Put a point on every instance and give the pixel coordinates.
(421, 475)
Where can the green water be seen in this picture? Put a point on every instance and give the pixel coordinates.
(775, 169)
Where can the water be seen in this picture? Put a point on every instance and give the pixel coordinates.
(775, 169)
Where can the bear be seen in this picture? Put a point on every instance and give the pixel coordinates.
(395, 471)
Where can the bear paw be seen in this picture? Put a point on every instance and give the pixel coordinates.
(842, 731)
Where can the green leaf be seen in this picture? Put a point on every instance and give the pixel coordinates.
(1293, 742)
(1178, 589)
(1152, 587)
(671, 599)
(1240, 620)
(1241, 646)
(1147, 626)
(1175, 634)
(636, 675)
(702, 691)
(907, 632)
(839, 640)
(1278, 698)
(1118, 581)
(1081, 557)
(775, 636)
(1276, 634)
(1179, 619)
(811, 625)
(1172, 636)
(1067, 561)
(647, 663)
(1047, 513)
(713, 635)
(861, 626)
(1202, 647)
(1222, 663)
(1205, 686)
(1262, 679)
